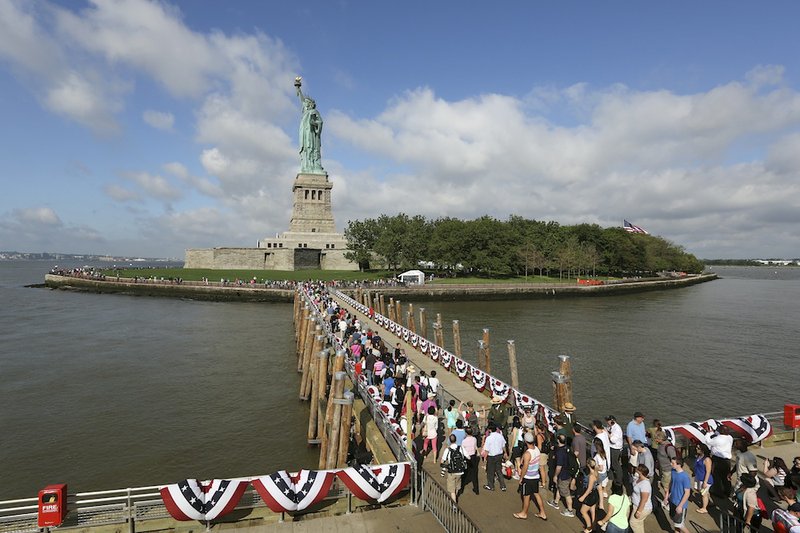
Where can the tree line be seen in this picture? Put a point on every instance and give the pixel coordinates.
(490, 247)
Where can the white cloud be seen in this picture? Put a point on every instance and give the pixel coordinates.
(666, 160)
(155, 186)
(43, 216)
(121, 194)
(82, 100)
(159, 120)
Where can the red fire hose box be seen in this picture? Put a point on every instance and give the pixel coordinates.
(791, 415)
(52, 505)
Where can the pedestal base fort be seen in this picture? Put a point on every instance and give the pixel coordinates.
(311, 242)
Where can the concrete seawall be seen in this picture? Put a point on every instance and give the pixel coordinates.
(171, 290)
(532, 291)
(425, 292)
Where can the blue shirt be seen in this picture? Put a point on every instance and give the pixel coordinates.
(388, 383)
(636, 431)
(460, 434)
(680, 484)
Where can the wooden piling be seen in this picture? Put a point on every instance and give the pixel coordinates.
(338, 366)
(512, 363)
(439, 332)
(487, 354)
(336, 422)
(456, 338)
(398, 312)
(315, 385)
(565, 369)
(296, 313)
(392, 315)
(308, 340)
(310, 364)
(423, 323)
(344, 431)
(412, 325)
(481, 356)
(329, 443)
(382, 305)
(322, 391)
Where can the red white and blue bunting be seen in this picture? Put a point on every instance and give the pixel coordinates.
(462, 368)
(754, 428)
(423, 345)
(379, 483)
(192, 500)
(478, 378)
(414, 340)
(434, 352)
(447, 359)
(283, 492)
(499, 389)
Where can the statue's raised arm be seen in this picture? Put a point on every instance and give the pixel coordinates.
(310, 133)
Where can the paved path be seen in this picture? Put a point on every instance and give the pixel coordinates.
(403, 519)
(493, 511)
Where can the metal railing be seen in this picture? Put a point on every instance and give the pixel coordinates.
(126, 506)
(434, 498)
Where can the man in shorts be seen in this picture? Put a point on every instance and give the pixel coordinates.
(533, 470)
(562, 477)
(680, 487)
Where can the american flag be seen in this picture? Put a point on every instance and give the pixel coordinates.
(631, 228)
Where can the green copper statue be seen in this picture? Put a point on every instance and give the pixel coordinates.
(310, 134)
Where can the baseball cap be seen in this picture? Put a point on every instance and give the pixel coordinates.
(795, 507)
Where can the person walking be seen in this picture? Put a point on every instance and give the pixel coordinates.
(495, 451)
(590, 496)
(431, 431)
(678, 498)
(533, 472)
(470, 447)
(615, 443)
(563, 478)
(454, 462)
(601, 464)
(619, 505)
(703, 480)
(720, 444)
(641, 499)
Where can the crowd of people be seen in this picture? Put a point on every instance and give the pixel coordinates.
(606, 476)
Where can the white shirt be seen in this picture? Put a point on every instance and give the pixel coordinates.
(720, 445)
(615, 436)
(603, 436)
(495, 444)
(433, 383)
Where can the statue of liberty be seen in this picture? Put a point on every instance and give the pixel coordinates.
(310, 134)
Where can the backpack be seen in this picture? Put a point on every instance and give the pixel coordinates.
(456, 462)
(572, 464)
(547, 446)
(423, 391)
(676, 450)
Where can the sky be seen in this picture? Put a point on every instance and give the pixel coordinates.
(143, 128)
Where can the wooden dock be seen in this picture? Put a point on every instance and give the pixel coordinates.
(493, 511)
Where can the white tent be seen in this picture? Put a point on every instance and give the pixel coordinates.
(412, 277)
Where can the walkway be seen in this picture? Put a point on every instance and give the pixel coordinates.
(405, 519)
(493, 511)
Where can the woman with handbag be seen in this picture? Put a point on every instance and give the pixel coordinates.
(619, 506)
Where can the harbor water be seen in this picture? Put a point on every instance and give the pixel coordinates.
(110, 391)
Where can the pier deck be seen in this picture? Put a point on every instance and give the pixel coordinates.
(493, 511)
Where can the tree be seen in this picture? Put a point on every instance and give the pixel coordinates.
(360, 236)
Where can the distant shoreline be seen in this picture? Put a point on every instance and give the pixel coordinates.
(426, 292)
